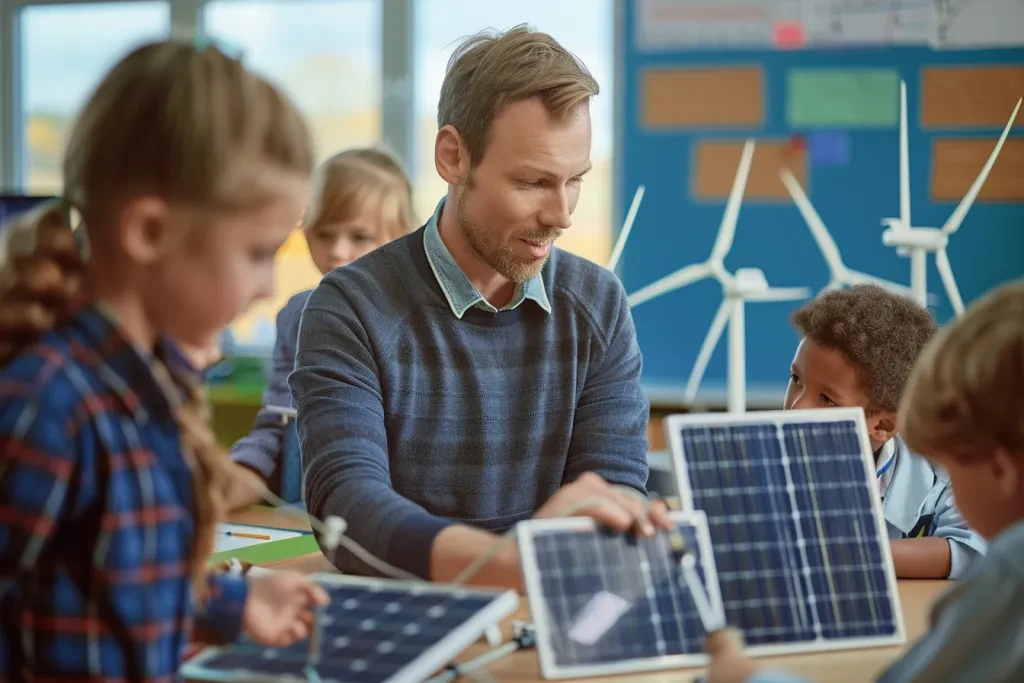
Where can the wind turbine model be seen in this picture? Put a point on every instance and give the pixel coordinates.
(747, 284)
(842, 276)
(627, 227)
(919, 242)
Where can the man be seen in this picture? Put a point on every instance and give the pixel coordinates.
(471, 375)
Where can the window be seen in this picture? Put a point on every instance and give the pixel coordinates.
(585, 27)
(65, 49)
(326, 55)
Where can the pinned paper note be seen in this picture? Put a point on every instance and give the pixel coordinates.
(789, 35)
(829, 148)
(703, 97)
(597, 616)
(957, 161)
(970, 96)
(715, 163)
(842, 98)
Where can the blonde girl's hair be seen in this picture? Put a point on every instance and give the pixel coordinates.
(181, 121)
(348, 182)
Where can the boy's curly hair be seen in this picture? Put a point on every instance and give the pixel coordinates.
(879, 332)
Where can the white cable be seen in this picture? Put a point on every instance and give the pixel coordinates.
(712, 622)
(332, 532)
(333, 529)
(476, 663)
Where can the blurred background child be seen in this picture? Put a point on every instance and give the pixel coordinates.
(361, 199)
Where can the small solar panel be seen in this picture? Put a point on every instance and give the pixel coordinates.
(607, 603)
(373, 630)
(796, 526)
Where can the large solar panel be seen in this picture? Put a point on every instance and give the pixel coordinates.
(373, 630)
(605, 603)
(796, 526)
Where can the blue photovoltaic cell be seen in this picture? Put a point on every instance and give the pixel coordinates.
(575, 565)
(369, 633)
(791, 519)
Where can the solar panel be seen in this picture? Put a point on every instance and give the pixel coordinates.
(796, 526)
(373, 630)
(605, 603)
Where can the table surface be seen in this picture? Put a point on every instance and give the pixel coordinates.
(850, 666)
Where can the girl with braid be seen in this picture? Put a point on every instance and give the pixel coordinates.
(183, 175)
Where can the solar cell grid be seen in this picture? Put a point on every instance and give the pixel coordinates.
(612, 603)
(373, 630)
(795, 525)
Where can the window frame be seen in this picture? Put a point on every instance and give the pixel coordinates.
(398, 116)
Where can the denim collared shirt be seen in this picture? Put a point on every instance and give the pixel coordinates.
(917, 501)
(458, 290)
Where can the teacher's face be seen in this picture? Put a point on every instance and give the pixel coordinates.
(521, 195)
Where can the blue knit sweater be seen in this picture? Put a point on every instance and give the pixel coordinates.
(411, 419)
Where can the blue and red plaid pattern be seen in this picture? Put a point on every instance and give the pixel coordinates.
(96, 529)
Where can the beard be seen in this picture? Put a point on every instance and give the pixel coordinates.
(499, 254)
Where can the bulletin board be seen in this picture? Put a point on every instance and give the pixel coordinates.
(819, 90)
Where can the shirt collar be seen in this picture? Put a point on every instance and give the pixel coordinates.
(885, 464)
(460, 293)
(912, 479)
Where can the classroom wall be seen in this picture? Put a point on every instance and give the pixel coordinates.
(852, 189)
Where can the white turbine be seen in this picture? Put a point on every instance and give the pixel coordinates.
(919, 242)
(841, 274)
(747, 284)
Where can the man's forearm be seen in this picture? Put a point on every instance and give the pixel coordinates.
(458, 546)
(921, 558)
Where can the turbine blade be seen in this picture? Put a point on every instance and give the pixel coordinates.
(819, 232)
(669, 283)
(727, 228)
(620, 241)
(706, 349)
(780, 294)
(952, 223)
(904, 159)
(949, 282)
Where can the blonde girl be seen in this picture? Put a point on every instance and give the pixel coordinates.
(361, 200)
(187, 173)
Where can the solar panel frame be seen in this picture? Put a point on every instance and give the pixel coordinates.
(674, 424)
(422, 667)
(528, 531)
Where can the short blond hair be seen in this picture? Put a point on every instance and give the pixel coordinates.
(965, 397)
(492, 69)
(350, 181)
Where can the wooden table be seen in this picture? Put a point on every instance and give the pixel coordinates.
(852, 666)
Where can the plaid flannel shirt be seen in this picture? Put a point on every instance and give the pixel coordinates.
(96, 528)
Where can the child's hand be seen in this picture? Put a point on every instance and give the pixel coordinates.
(729, 663)
(280, 606)
(242, 487)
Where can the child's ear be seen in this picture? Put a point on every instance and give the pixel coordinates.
(1007, 473)
(881, 426)
(145, 229)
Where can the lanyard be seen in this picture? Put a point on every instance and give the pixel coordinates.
(887, 464)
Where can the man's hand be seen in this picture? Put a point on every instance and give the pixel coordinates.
(618, 508)
(614, 507)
